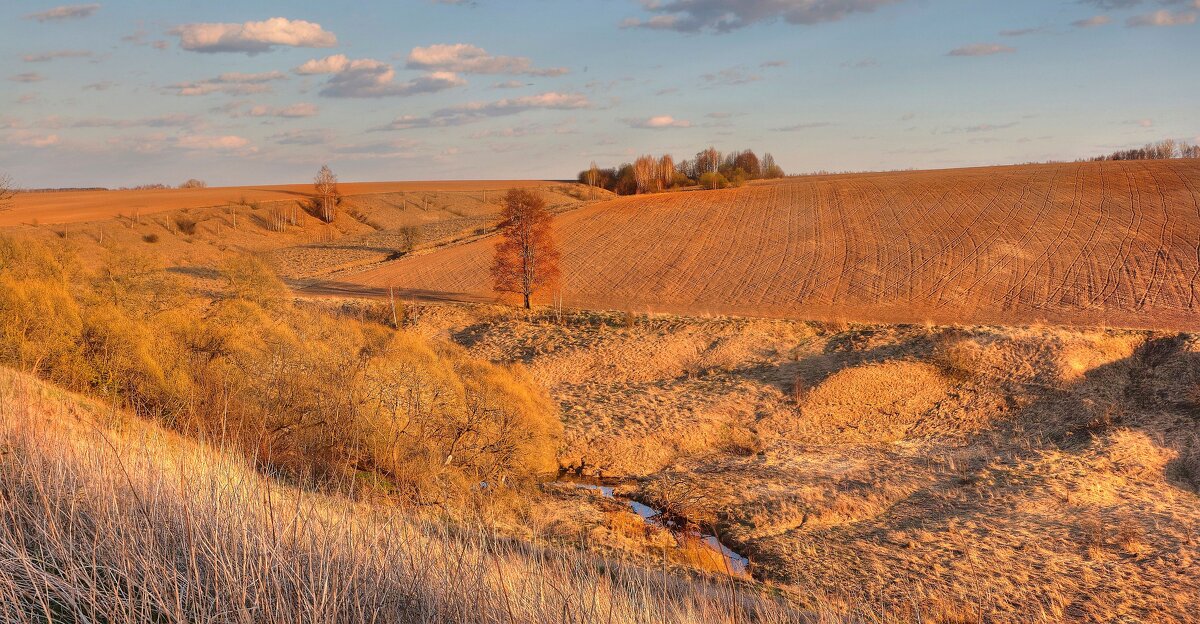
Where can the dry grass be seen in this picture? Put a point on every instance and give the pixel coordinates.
(106, 519)
(963, 471)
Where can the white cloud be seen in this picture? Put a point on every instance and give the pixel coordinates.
(221, 143)
(658, 122)
(67, 11)
(981, 49)
(302, 137)
(464, 58)
(253, 37)
(56, 54)
(300, 109)
(26, 138)
(229, 83)
(476, 111)
(1162, 17)
(728, 15)
(369, 78)
(328, 65)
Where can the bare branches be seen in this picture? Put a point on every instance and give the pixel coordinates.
(326, 186)
(7, 192)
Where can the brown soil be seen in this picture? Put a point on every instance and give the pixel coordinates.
(1114, 243)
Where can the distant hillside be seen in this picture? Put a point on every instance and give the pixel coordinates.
(1076, 243)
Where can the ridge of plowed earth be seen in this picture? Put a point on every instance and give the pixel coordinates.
(1107, 243)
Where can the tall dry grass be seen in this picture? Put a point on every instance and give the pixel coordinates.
(106, 519)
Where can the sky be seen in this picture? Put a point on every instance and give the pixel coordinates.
(119, 93)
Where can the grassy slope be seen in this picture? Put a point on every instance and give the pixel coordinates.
(108, 518)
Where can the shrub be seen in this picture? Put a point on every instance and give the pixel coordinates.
(302, 392)
(713, 181)
(186, 225)
(193, 183)
(150, 238)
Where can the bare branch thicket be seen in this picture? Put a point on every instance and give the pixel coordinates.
(666, 171)
(326, 186)
(645, 173)
(7, 192)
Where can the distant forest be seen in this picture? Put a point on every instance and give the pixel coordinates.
(1155, 151)
(708, 169)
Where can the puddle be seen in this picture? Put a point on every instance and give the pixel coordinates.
(737, 564)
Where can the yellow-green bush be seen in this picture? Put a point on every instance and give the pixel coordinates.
(300, 391)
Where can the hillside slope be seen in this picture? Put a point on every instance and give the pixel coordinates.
(81, 206)
(1074, 243)
(108, 518)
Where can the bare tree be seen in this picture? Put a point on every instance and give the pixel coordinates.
(526, 259)
(666, 171)
(6, 192)
(193, 183)
(708, 161)
(593, 178)
(645, 173)
(326, 186)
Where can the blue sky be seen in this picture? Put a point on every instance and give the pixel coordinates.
(130, 92)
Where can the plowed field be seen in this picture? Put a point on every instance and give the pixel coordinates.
(82, 206)
(1073, 243)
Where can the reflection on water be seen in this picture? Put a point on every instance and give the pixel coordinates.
(737, 564)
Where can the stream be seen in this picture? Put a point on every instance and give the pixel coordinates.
(737, 564)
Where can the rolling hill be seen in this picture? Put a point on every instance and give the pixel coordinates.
(1113, 243)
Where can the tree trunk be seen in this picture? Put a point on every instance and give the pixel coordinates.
(526, 300)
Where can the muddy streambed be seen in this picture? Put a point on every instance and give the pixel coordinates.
(735, 563)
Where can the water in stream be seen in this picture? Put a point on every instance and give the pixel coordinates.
(737, 564)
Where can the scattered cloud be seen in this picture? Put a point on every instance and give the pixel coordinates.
(1143, 123)
(1021, 32)
(803, 126)
(54, 55)
(658, 122)
(464, 58)
(64, 12)
(300, 109)
(510, 84)
(227, 142)
(724, 16)
(908, 116)
(27, 77)
(1092, 22)
(777, 63)
(302, 137)
(252, 37)
(981, 49)
(731, 76)
(369, 78)
(987, 127)
(103, 85)
(26, 138)
(230, 83)
(475, 111)
(165, 121)
(1163, 17)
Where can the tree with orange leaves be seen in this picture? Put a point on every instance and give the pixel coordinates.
(526, 259)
